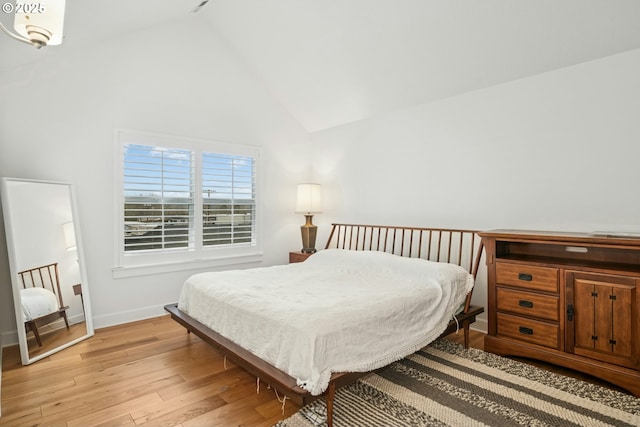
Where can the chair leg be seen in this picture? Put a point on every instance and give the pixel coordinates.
(31, 326)
(66, 321)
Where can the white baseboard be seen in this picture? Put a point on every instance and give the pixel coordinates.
(128, 316)
(480, 325)
(8, 338)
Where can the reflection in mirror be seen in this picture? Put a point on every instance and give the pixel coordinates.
(45, 257)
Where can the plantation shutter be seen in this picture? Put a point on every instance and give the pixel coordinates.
(158, 198)
(228, 200)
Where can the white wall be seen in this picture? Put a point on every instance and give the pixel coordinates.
(555, 151)
(558, 151)
(57, 121)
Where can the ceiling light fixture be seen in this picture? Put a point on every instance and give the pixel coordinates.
(38, 24)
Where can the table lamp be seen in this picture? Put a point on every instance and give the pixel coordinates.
(308, 202)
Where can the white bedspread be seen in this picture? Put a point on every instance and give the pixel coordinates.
(37, 302)
(339, 311)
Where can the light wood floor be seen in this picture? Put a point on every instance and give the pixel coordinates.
(148, 373)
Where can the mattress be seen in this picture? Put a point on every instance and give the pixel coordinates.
(339, 311)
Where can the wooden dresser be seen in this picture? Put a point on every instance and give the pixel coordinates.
(570, 299)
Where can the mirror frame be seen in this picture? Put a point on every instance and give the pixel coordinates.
(15, 281)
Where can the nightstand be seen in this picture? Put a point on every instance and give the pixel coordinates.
(298, 256)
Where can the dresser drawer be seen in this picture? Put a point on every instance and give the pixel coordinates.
(532, 331)
(527, 276)
(527, 303)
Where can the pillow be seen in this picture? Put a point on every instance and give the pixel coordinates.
(383, 263)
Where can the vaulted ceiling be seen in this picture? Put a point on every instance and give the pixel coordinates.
(331, 62)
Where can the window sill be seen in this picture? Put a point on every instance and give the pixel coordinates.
(146, 270)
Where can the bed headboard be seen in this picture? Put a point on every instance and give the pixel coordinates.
(461, 247)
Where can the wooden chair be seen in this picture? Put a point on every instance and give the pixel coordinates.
(46, 277)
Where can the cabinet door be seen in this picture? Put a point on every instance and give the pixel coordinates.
(601, 314)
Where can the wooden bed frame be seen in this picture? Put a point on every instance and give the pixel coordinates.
(460, 247)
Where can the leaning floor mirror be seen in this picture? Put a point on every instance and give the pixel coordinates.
(48, 276)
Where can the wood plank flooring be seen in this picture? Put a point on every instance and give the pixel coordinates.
(148, 373)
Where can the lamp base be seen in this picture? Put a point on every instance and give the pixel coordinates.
(309, 232)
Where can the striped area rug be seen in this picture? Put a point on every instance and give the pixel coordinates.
(446, 385)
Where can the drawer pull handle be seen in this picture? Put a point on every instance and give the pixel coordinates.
(526, 277)
(525, 303)
(525, 330)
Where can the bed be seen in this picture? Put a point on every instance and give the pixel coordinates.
(311, 327)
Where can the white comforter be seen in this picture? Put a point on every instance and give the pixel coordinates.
(339, 311)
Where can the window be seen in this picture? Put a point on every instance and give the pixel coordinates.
(184, 201)
(158, 198)
(228, 199)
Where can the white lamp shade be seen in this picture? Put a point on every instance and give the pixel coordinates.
(69, 236)
(309, 198)
(42, 17)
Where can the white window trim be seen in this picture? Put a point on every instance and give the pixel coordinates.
(146, 264)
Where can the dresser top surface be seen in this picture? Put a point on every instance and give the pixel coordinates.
(597, 237)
